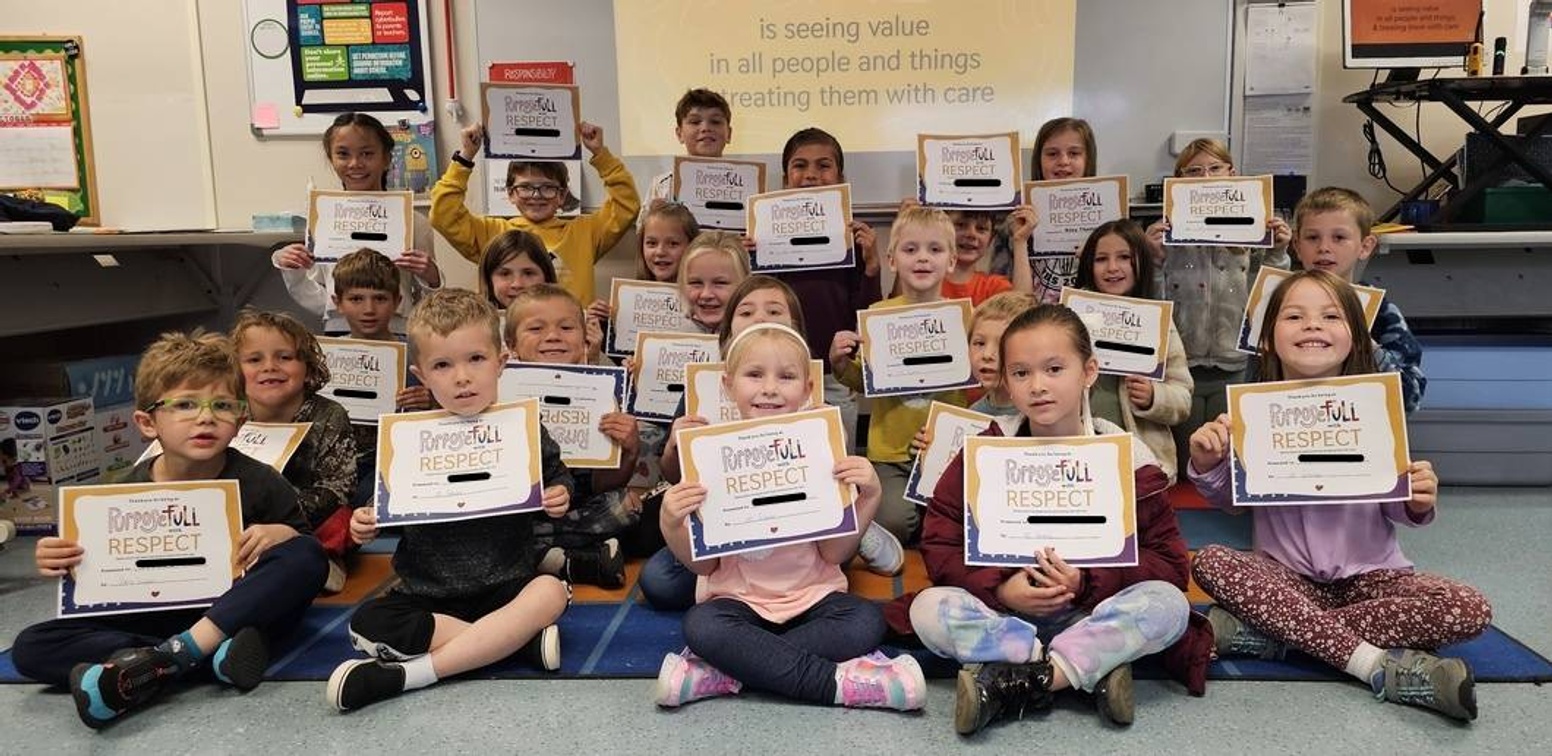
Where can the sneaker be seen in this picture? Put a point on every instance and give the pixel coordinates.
(603, 566)
(686, 677)
(240, 660)
(543, 650)
(1421, 679)
(360, 682)
(999, 689)
(128, 679)
(337, 574)
(1233, 637)
(895, 683)
(376, 650)
(881, 550)
(1113, 696)
(7, 532)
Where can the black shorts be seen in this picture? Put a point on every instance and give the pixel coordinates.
(401, 625)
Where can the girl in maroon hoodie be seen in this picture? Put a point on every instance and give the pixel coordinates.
(1029, 632)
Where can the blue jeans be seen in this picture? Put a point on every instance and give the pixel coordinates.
(665, 583)
(796, 658)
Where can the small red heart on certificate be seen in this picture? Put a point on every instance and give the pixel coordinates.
(154, 594)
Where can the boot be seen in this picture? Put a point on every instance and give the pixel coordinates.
(997, 690)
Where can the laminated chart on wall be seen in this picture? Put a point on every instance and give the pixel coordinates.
(45, 125)
(309, 60)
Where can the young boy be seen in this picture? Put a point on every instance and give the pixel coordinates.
(973, 231)
(468, 596)
(921, 245)
(986, 326)
(546, 324)
(1332, 233)
(703, 123)
(539, 190)
(188, 391)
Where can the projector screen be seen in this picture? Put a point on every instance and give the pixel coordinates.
(874, 74)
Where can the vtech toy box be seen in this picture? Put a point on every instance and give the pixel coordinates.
(44, 443)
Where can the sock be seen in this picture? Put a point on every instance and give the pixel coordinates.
(554, 561)
(839, 674)
(418, 672)
(1365, 664)
(183, 650)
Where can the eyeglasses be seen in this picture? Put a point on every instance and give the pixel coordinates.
(542, 191)
(188, 408)
(1214, 169)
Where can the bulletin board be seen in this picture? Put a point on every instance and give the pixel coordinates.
(45, 124)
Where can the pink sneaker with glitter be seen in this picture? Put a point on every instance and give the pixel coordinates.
(686, 677)
(875, 681)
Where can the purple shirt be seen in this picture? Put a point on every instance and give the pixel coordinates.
(1323, 542)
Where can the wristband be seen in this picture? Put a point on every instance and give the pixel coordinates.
(461, 160)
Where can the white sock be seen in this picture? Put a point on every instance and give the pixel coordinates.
(553, 562)
(418, 672)
(1365, 661)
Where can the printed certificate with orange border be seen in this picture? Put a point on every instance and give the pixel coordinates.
(770, 482)
(1267, 281)
(572, 400)
(1231, 211)
(950, 427)
(149, 546)
(365, 376)
(705, 395)
(1326, 441)
(658, 382)
(970, 172)
(339, 223)
(717, 191)
(436, 466)
(1070, 209)
(531, 121)
(1076, 495)
(801, 229)
(638, 306)
(916, 349)
(1131, 336)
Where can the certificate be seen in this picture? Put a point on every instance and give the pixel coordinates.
(979, 172)
(639, 306)
(435, 466)
(770, 482)
(1131, 336)
(1219, 211)
(801, 229)
(950, 427)
(149, 546)
(717, 191)
(1267, 281)
(531, 121)
(1070, 209)
(657, 387)
(1075, 494)
(339, 223)
(270, 443)
(572, 399)
(365, 376)
(916, 349)
(705, 395)
(1327, 441)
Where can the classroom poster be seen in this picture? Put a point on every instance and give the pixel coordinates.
(717, 191)
(639, 306)
(950, 427)
(657, 385)
(572, 400)
(980, 172)
(415, 166)
(801, 229)
(45, 124)
(1267, 281)
(530, 121)
(706, 396)
(272, 444)
(1222, 211)
(435, 466)
(339, 223)
(149, 546)
(1069, 210)
(1326, 441)
(916, 349)
(1076, 495)
(771, 482)
(365, 376)
(1131, 336)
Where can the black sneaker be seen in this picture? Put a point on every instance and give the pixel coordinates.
(991, 691)
(240, 661)
(603, 566)
(543, 651)
(128, 679)
(360, 682)
(1113, 696)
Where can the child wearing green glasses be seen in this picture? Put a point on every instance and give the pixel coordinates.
(190, 398)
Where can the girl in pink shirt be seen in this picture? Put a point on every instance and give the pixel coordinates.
(780, 619)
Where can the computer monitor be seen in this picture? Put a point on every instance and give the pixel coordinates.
(1408, 33)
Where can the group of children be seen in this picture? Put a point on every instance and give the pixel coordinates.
(1329, 580)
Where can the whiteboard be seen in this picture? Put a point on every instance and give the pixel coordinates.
(1128, 82)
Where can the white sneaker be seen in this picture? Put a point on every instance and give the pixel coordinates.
(7, 530)
(881, 550)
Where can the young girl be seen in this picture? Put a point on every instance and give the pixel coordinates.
(986, 327)
(1064, 149)
(664, 581)
(1209, 286)
(1330, 580)
(780, 619)
(1114, 260)
(360, 151)
(666, 231)
(715, 264)
(283, 368)
(1037, 630)
(538, 190)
